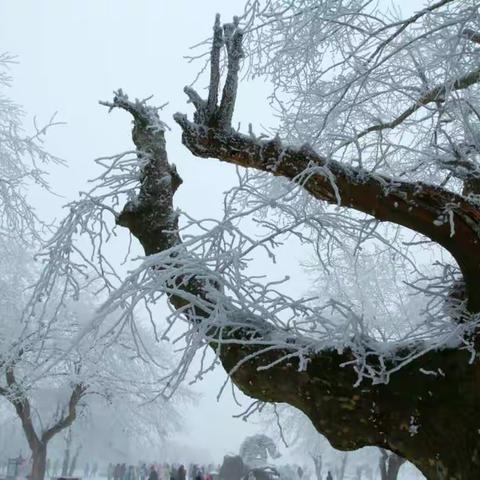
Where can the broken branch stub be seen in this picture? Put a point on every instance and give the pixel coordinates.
(210, 113)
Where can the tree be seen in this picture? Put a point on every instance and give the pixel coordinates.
(387, 111)
(50, 351)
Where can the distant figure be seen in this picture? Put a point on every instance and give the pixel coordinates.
(153, 475)
(110, 471)
(181, 473)
(329, 475)
(300, 472)
(86, 470)
(123, 471)
(143, 472)
(198, 475)
(94, 470)
(116, 472)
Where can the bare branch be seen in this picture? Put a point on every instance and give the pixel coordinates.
(217, 44)
(436, 94)
(66, 420)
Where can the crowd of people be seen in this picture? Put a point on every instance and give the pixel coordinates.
(160, 471)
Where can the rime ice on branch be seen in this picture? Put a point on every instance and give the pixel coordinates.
(378, 414)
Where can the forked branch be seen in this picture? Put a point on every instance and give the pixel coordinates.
(445, 217)
(210, 112)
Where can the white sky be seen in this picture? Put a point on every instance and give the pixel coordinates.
(72, 54)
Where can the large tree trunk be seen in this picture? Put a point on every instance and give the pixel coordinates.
(39, 462)
(67, 452)
(428, 412)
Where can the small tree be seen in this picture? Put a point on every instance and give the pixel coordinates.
(50, 350)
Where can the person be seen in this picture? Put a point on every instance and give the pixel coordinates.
(198, 475)
(86, 470)
(300, 472)
(153, 475)
(131, 473)
(329, 475)
(181, 473)
(143, 472)
(122, 471)
(110, 471)
(116, 472)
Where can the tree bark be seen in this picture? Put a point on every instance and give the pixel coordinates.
(66, 453)
(431, 419)
(39, 462)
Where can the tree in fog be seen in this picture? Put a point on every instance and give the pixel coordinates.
(54, 364)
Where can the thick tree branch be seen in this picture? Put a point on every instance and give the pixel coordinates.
(444, 217)
(66, 420)
(17, 398)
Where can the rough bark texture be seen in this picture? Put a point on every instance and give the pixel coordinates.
(431, 420)
(39, 462)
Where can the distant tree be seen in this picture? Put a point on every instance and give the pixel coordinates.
(380, 186)
(50, 347)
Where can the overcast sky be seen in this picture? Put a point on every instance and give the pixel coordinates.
(72, 54)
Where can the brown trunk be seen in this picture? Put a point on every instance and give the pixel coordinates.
(39, 462)
(66, 454)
